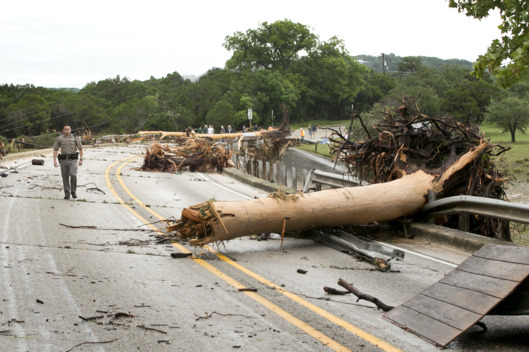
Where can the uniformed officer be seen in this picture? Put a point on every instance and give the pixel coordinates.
(69, 145)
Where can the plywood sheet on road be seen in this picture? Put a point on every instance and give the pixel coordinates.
(449, 307)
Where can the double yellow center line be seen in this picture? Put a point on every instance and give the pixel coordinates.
(327, 341)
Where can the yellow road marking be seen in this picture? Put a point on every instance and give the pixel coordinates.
(327, 341)
(263, 301)
(338, 321)
(141, 218)
(385, 346)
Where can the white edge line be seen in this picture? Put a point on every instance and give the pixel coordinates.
(223, 187)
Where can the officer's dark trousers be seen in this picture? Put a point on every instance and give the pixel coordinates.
(69, 176)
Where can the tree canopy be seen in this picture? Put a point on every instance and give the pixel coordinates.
(507, 58)
(280, 70)
(510, 114)
(271, 46)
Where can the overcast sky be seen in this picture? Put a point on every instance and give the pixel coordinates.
(55, 43)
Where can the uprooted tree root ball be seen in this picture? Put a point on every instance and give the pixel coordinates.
(405, 141)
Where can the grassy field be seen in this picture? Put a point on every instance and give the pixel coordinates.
(321, 149)
(304, 125)
(514, 162)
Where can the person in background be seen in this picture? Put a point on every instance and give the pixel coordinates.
(230, 130)
(69, 145)
(302, 134)
(310, 131)
(199, 130)
(222, 130)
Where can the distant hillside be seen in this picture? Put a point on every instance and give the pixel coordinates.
(75, 90)
(392, 61)
(192, 78)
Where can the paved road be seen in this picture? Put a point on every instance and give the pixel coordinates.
(88, 275)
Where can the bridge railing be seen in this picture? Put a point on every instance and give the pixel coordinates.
(471, 205)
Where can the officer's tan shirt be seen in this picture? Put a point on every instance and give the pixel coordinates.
(68, 145)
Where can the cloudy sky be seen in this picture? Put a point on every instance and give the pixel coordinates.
(56, 43)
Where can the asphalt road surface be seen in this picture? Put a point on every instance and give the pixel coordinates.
(88, 274)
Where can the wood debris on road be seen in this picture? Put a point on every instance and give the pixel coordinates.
(193, 155)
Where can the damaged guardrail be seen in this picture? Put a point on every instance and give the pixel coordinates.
(377, 254)
(493, 208)
(319, 177)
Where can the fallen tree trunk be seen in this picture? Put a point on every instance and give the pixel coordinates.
(219, 221)
(205, 135)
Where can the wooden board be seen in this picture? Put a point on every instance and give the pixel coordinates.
(462, 297)
(510, 254)
(493, 286)
(449, 307)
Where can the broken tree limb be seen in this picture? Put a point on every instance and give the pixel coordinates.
(90, 343)
(333, 291)
(349, 287)
(152, 329)
(330, 208)
(443, 182)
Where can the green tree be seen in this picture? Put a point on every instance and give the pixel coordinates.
(30, 116)
(424, 86)
(222, 114)
(510, 114)
(199, 98)
(307, 78)
(132, 116)
(466, 97)
(331, 79)
(336, 78)
(508, 57)
(273, 91)
(376, 87)
(162, 121)
(271, 46)
(410, 64)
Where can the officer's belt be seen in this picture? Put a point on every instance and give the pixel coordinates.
(73, 156)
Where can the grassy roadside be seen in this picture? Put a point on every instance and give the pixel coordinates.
(320, 149)
(322, 123)
(514, 162)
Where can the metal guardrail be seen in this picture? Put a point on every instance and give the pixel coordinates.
(462, 205)
(319, 177)
(493, 208)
